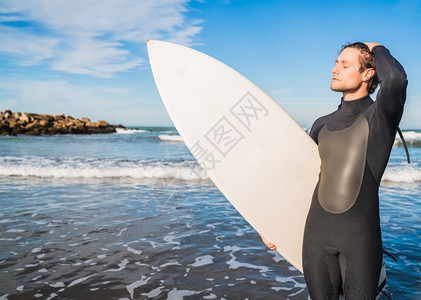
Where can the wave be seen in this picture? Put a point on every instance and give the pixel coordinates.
(129, 131)
(412, 138)
(95, 168)
(78, 167)
(403, 174)
(171, 138)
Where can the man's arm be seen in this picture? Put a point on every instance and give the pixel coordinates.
(392, 94)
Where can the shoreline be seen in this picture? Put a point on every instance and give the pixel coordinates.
(22, 123)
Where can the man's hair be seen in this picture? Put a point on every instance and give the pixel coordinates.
(367, 60)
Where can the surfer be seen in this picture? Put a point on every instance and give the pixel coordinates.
(342, 247)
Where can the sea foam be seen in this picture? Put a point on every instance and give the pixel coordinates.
(404, 174)
(171, 138)
(128, 131)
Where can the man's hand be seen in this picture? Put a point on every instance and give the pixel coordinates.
(372, 45)
(270, 245)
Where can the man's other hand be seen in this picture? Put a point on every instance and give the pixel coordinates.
(270, 245)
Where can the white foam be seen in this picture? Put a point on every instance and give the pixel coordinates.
(52, 295)
(131, 287)
(234, 264)
(77, 281)
(154, 293)
(11, 239)
(410, 135)
(128, 131)
(16, 230)
(121, 266)
(404, 174)
(290, 279)
(175, 294)
(95, 168)
(171, 138)
(202, 261)
(137, 252)
(170, 263)
(121, 231)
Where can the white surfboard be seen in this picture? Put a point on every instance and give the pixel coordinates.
(264, 163)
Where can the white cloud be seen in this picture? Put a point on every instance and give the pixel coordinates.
(30, 49)
(97, 102)
(57, 96)
(91, 37)
(96, 58)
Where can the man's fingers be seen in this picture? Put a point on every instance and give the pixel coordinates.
(268, 244)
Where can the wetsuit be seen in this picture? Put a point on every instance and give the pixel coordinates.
(342, 250)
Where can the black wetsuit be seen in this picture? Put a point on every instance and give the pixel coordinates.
(342, 240)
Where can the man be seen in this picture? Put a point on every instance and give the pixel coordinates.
(342, 249)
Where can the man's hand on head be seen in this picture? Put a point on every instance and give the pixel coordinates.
(372, 45)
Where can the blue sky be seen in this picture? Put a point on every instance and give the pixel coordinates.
(89, 58)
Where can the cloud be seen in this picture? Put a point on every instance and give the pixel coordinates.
(30, 49)
(96, 58)
(97, 102)
(59, 96)
(97, 37)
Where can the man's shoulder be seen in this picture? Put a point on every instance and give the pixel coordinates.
(322, 120)
(318, 124)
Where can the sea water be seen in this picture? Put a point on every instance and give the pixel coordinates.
(132, 216)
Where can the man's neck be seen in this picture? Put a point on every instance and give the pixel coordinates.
(351, 96)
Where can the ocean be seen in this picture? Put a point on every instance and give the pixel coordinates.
(131, 216)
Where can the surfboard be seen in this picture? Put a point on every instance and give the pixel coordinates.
(255, 153)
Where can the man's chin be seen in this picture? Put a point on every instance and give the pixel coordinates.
(335, 88)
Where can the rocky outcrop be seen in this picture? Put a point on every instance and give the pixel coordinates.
(14, 123)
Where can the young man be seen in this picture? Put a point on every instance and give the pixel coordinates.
(342, 249)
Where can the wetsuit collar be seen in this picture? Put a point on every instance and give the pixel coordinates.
(355, 105)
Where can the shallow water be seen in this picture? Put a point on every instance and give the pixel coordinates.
(113, 240)
(128, 239)
(126, 217)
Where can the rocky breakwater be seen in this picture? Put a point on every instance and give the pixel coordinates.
(14, 123)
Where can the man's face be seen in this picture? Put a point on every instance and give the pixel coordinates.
(346, 75)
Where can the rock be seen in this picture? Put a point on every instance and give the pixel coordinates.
(59, 117)
(52, 130)
(43, 122)
(24, 118)
(40, 124)
(31, 125)
(6, 114)
(90, 124)
(102, 123)
(10, 121)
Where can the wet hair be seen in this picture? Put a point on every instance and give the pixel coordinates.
(367, 61)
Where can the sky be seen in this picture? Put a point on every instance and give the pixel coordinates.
(88, 58)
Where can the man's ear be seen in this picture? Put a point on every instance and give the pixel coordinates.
(368, 73)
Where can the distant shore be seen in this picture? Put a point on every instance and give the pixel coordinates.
(22, 123)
